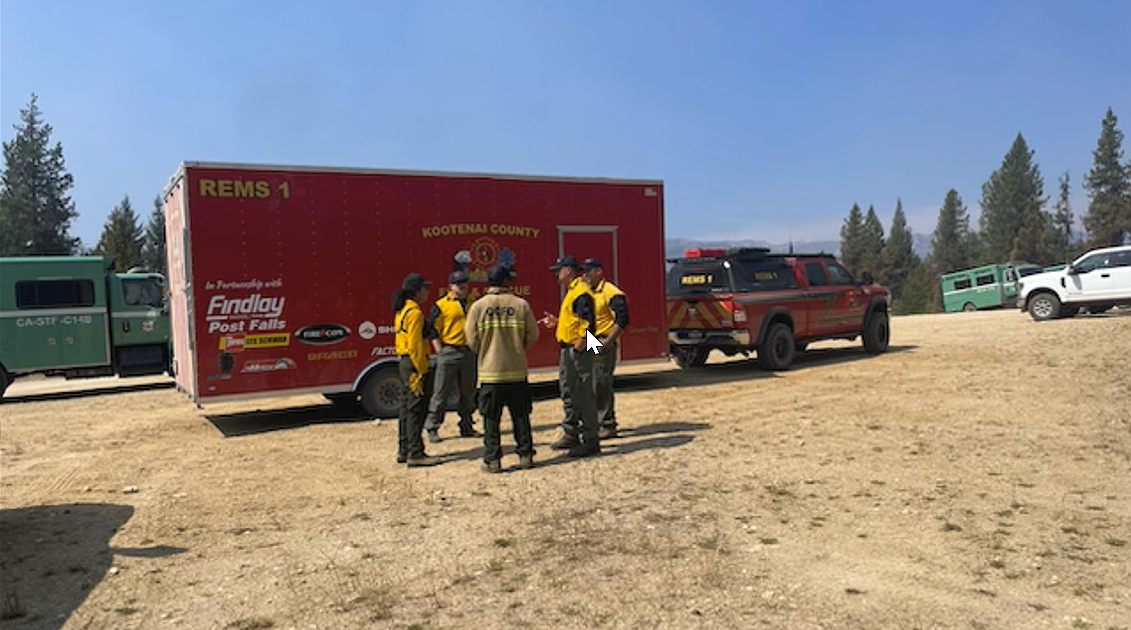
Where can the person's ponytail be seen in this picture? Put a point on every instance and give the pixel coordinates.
(400, 298)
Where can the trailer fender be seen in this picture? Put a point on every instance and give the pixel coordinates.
(369, 369)
(775, 314)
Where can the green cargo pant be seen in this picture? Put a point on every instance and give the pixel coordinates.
(410, 425)
(455, 371)
(604, 366)
(575, 380)
(517, 398)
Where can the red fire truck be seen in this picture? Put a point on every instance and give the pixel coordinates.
(281, 277)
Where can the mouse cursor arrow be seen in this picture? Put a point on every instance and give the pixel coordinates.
(592, 343)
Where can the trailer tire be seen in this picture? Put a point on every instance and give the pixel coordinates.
(381, 393)
(687, 358)
(777, 349)
(1044, 306)
(877, 333)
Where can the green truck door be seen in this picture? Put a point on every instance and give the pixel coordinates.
(57, 324)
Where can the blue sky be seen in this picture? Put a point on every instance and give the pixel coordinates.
(765, 120)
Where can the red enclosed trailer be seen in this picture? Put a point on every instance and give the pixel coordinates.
(281, 277)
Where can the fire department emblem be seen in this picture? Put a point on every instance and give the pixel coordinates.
(485, 252)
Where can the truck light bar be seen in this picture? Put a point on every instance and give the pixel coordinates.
(703, 252)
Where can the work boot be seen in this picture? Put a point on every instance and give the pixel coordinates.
(526, 462)
(607, 433)
(565, 442)
(493, 466)
(420, 461)
(434, 436)
(585, 449)
(401, 458)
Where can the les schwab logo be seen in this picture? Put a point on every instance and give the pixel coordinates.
(322, 334)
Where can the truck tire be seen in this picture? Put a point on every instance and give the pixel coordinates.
(776, 351)
(693, 357)
(969, 307)
(1044, 306)
(381, 393)
(876, 333)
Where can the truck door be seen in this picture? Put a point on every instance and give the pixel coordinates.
(1093, 279)
(820, 300)
(61, 324)
(140, 325)
(847, 313)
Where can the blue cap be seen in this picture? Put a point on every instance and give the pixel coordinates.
(564, 261)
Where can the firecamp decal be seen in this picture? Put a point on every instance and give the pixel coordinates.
(322, 334)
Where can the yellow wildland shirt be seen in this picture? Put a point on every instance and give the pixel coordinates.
(610, 306)
(500, 327)
(576, 314)
(446, 321)
(410, 336)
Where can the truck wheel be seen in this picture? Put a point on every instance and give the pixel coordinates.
(876, 333)
(776, 351)
(690, 357)
(381, 393)
(1044, 306)
(969, 307)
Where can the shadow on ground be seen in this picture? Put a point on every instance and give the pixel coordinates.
(87, 393)
(265, 421)
(54, 555)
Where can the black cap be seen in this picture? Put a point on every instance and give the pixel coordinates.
(564, 261)
(414, 282)
(591, 263)
(499, 275)
(457, 277)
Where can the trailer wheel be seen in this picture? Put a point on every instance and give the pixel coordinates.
(690, 357)
(877, 333)
(1044, 306)
(969, 307)
(381, 393)
(776, 351)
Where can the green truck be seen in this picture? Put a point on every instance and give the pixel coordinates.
(988, 286)
(75, 317)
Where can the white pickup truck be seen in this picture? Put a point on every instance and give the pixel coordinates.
(1097, 281)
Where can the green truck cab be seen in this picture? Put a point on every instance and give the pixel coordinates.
(75, 317)
(988, 286)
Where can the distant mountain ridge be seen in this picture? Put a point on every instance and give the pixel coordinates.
(674, 247)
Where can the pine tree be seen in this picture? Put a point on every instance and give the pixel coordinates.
(1108, 217)
(851, 240)
(952, 243)
(916, 292)
(35, 211)
(898, 257)
(873, 245)
(1032, 243)
(1062, 220)
(153, 249)
(121, 237)
(1012, 190)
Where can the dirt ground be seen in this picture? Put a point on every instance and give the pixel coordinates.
(978, 476)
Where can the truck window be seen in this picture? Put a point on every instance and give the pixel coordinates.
(1093, 262)
(54, 293)
(962, 283)
(984, 279)
(1009, 275)
(1121, 259)
(839, 274)
(815, 273)
(763, 274)
(689, 278)
(141, 292)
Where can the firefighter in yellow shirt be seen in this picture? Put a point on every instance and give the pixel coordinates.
(412, 348)
(455, 362)
(610, 310)
(575, 363)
